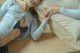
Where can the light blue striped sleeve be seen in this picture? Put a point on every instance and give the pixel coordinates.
(5, 7)
(70, 12)
(36, 31)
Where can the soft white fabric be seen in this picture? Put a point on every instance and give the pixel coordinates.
(66, 28)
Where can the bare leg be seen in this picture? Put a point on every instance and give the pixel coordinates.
(11, 36)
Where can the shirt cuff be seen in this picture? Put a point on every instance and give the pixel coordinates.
(43, 24)
(62, 10)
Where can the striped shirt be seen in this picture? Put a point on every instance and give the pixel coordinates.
(11, 13)
(74, 13)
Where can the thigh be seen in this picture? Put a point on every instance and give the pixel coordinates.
(11, 36)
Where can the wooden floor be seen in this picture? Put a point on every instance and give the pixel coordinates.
(46, 44)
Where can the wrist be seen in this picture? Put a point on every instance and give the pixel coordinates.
(44, 21)
(58, 9)
(47, 21)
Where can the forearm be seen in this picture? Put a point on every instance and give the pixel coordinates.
(70, 12)
(36, 34)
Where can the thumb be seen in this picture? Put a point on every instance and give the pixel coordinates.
(49, 17)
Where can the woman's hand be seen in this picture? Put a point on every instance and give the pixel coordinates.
(47, 15)
(52, 9)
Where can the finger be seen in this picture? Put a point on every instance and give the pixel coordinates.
(49, 16)
(45, 13)
(45, 8)
(49, 6)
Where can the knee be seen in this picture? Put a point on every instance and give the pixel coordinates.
(2, 43)
(10, 37)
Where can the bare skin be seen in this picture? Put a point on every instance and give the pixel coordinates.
(25, 5)
(52, 9)
(11, 36)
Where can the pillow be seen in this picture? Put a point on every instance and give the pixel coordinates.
(46, 3)
(63, 3)
(70, 25)
(70, 4)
